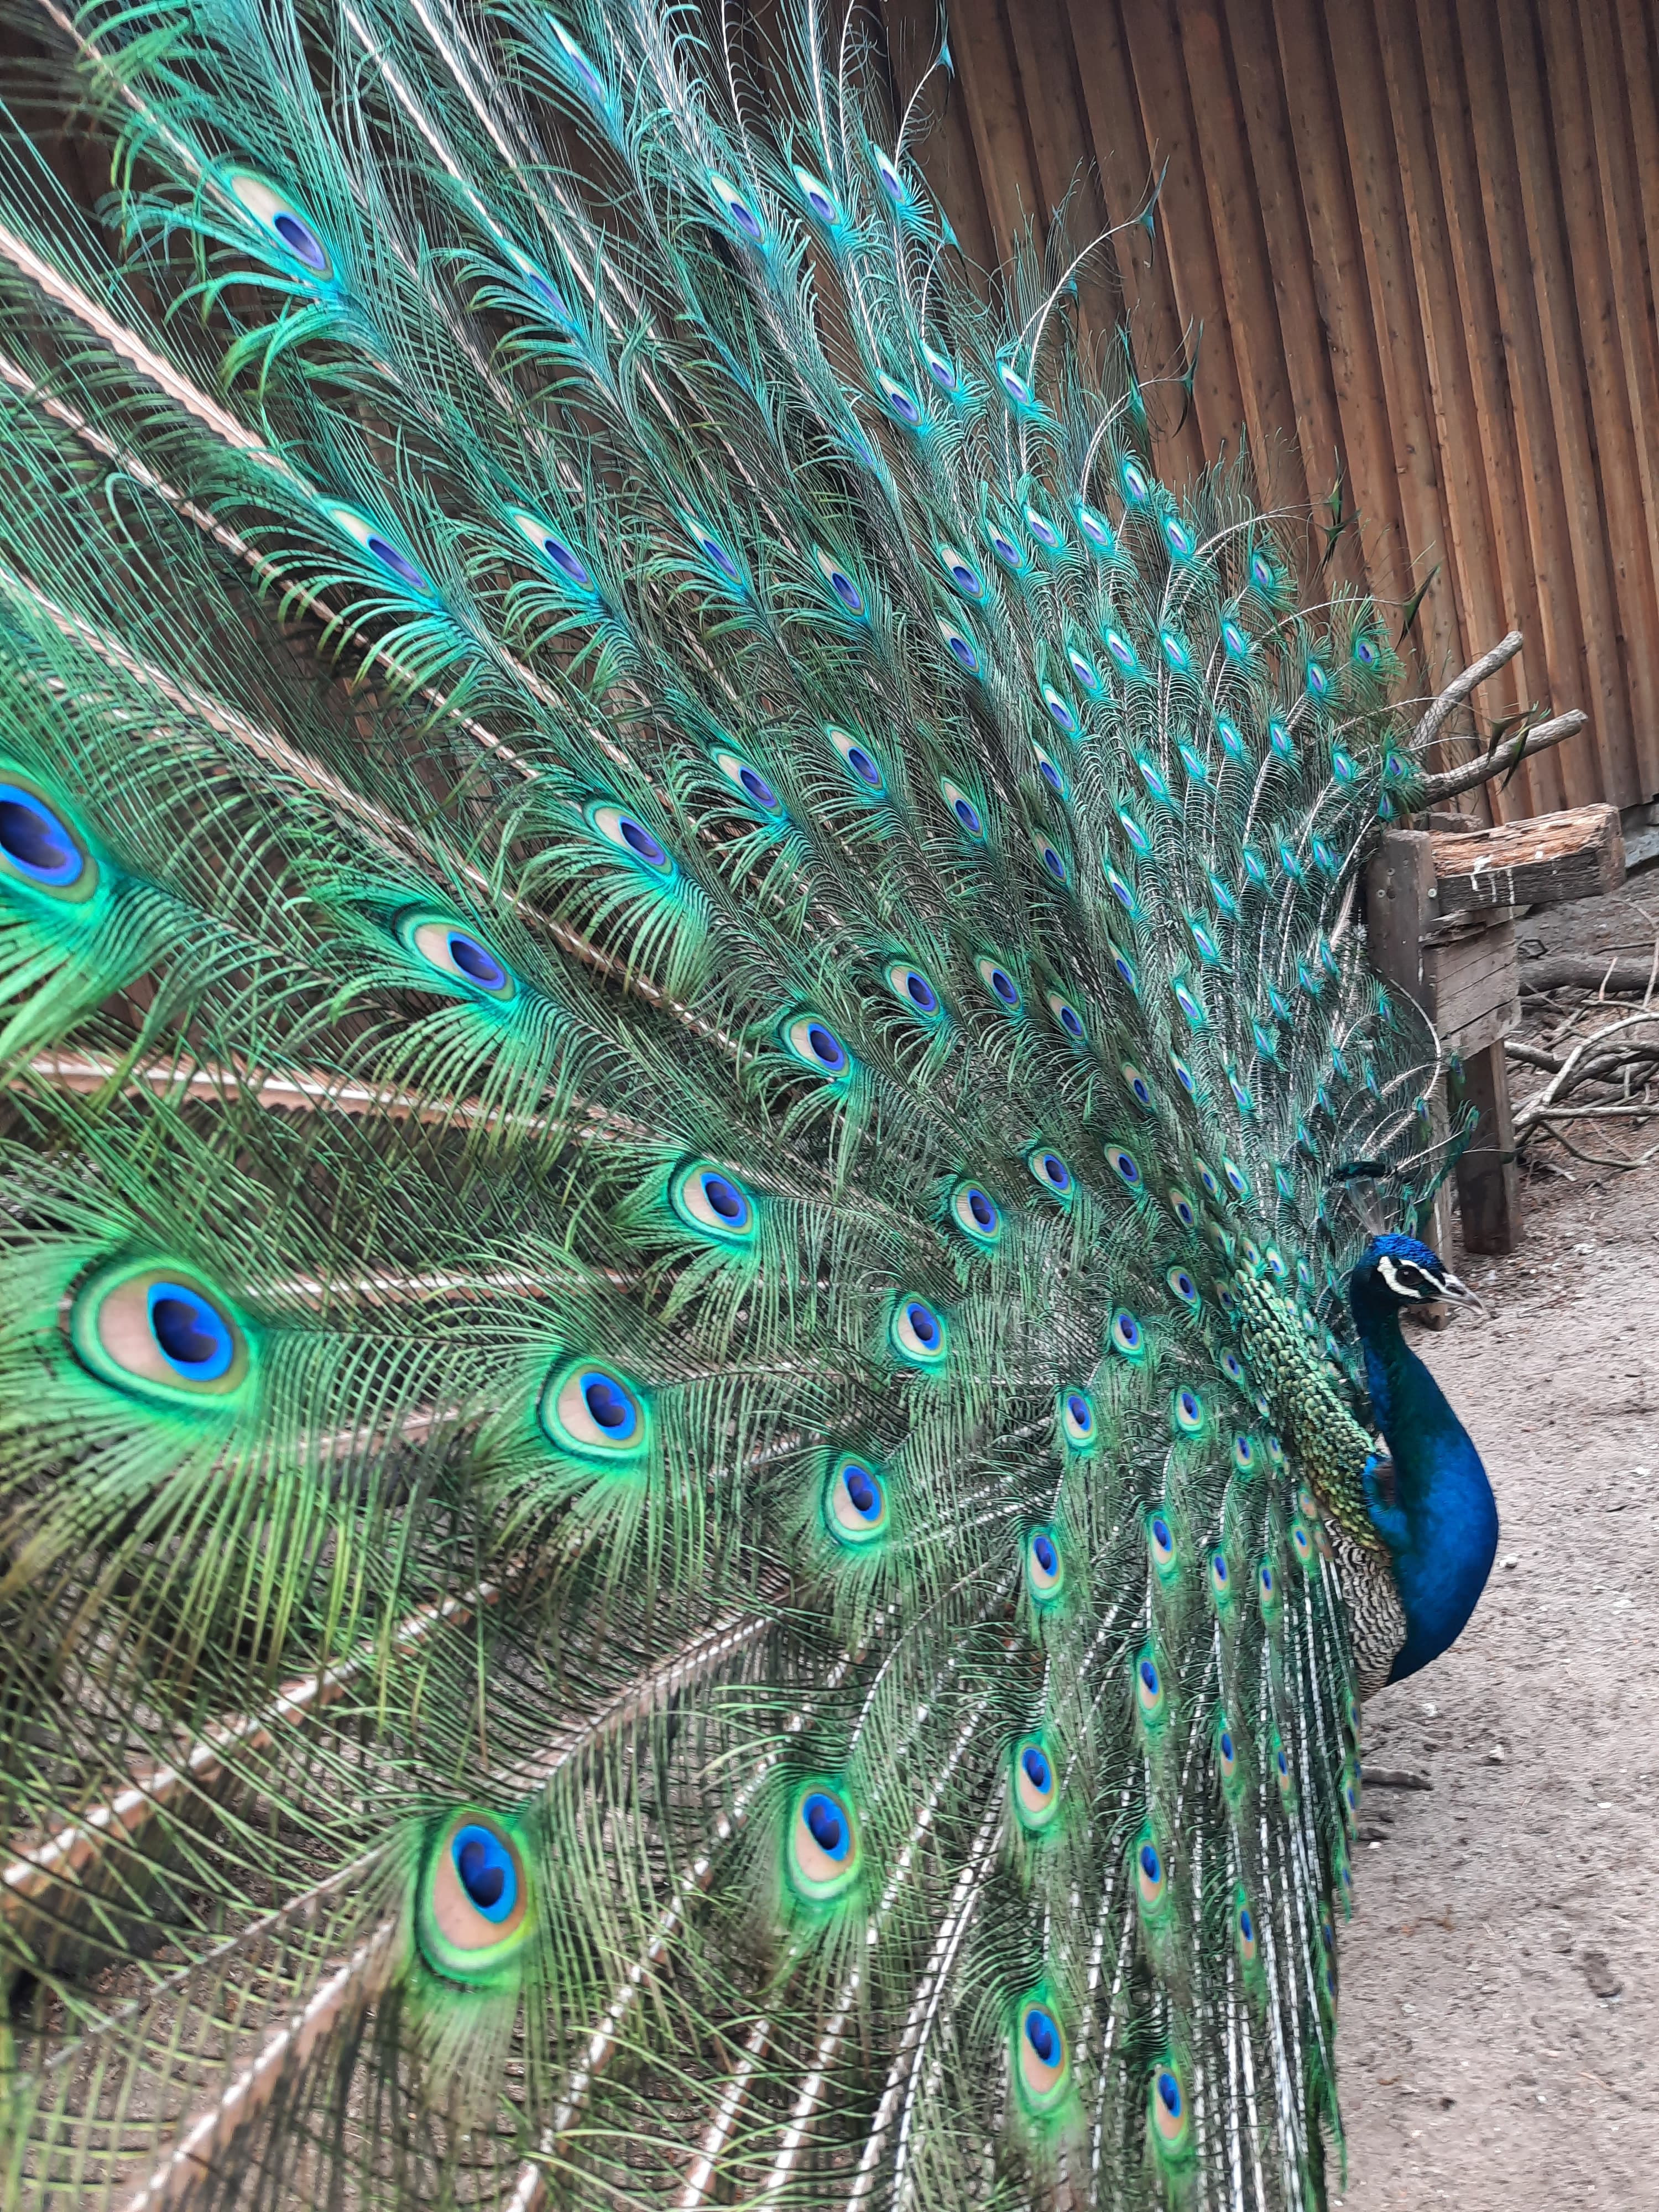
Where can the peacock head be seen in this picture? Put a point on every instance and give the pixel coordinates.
(1398, 1271)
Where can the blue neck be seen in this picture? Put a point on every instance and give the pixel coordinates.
(1442, 1532)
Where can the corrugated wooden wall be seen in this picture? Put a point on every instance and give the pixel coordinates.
(1420, 239)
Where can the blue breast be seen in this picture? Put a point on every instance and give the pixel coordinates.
(1441, 1528)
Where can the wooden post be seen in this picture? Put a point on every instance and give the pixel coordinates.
(1488, 1185)
(1400, 910)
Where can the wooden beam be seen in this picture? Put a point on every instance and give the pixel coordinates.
(1488, 1185)
(1546, 861)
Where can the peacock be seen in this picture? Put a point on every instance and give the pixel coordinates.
(706, 1196)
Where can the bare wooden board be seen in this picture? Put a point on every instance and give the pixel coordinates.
(1542, 861)
(1472, 989)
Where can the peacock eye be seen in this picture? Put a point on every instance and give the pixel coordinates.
(708, 1200)
(1059, 710)
(1136, 489)
(1051, 1171)
(1149, 1874)
(1084, 671)
(1077, 1418)
(856, 1500)
(590, 1410)
(1096, 532)
(456, 954)
(1042, 530)
(1127, 1335)
(1052, 859)
(902, 403)
(1150, 1695)
(749, 781)
(968, 815)
(1160, 1538)
(1183, 1286)
(963, 575)
(558, 553)
(823, 1852)
(736, 210)
(1168, 2108)
(1015, 386)
(374, 542)
(892, 182)
(1012, 556)
(711, 548)
(1036, 1788)
(1140, 1089)
(1226, 1752)
(820, 201)
(816, 1046)
(40, 846)
(1187, 1411)
(1000, 983)
(919, 1335)
(912, 989)
(1244, 1454)
(1184, 1209)
(1045, 1570)
(156, 1331)
(940, 368)
(1125, 1166)
(1042, 2058)
(975, 1215)
(473, 1911)
(629, 835)
(861, 761)
(835, 575)
(278, 217)
(580, 67)
(1068, 1017)
(1124, 656)
(960, 646)
(1050, 772)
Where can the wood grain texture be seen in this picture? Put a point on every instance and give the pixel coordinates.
(1422, 243)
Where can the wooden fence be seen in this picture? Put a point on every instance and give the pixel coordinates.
(1420, 237)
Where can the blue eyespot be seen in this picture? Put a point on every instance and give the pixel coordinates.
(822, 1853)
(1049, 773)
(39, 847)
(592, 1410)
(964, 576)
(736, 210)
(1051, 1171)
(1051, 860)
(749, 781)
(1068, 1016)
(816, 1045)
(1044, 1568)
(1123, 654)
(1183, 1286)
(819, 201)
(1133, 479)
(902, 403)
(959, 645)
(1000, 983)
(631, 836)
(1125, 1165)
(1188, 1409)
(912, 989)
(708, 1200)
(966, 814)
(1012, 556)
(861, 761)
(892, 182)
(1077, 1416)
(1096, 532)
(940, 368)
(840, 582)
(1016, 389)
(1127, 1335)
(393, 558)
(455, 953)
(856, 1501)
(975, 1215)
(281, 220)
(1042, 530)
(1065, 720)
(919, 1334)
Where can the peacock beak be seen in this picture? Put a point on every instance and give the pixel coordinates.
(1458, 1293)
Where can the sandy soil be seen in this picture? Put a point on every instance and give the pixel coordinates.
(1500, 1977)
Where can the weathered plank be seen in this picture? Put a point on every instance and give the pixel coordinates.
(1543, 862)
(1472, 989)
(1488, 1183)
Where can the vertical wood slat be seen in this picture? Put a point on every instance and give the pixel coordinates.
(1423, 241)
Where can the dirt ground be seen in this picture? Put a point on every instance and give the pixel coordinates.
(1499, 2043)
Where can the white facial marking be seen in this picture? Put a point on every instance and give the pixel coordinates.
(1404, 1278)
